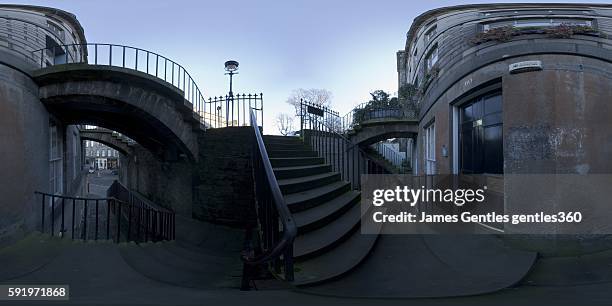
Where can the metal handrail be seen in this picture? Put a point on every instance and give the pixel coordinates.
(153, 223)
(284, 246)
(333, 145)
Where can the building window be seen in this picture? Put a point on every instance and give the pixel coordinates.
(430, 149)
(481, 142)
(432, 58)
(75, 154)
(56, 166)
(431, 33)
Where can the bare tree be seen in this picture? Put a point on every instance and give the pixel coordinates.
(284, 123)
(321, 97)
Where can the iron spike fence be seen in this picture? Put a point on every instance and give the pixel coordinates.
(107, 218)
(224, 111)
(277, 228)
(322, 129)
(213, 112)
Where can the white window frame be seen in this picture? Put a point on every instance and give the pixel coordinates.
(56, 161)
(432, 58)
(430, 148)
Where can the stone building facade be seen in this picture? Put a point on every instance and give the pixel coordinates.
(511, 89)
(37, 151)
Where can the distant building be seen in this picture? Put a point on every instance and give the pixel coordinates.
(99, 156)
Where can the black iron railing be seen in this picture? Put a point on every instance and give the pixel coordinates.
(394, 157)
(277, 229)
(321, 128)
(213, 112)
(145, 220)
(224, 111)
(377, 111)
(104, 218)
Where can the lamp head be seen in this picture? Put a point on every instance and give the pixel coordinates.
(231, 66)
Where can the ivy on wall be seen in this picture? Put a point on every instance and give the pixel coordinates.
(503, 34)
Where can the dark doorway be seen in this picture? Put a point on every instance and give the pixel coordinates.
(481, 131)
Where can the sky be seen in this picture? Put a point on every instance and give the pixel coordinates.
(347, 47)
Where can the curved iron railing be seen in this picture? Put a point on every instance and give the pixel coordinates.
(376, 111)
(277, 227)
(128, 57)
(213, 112)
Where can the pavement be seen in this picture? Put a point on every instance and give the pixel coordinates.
(99, 273)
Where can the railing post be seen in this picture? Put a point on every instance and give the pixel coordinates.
(63, 226)
(288, 259)
(85, 220)
(73, 218)
(96, 231)
(42, 226)
(118, 204)
(52, 215)
(108, 209)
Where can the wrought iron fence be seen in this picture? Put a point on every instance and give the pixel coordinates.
(277, 228)
(102, 218)
(322, 129)
(224, 111)
(213, 112)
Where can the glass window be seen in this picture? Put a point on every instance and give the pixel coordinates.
(431, 33)
(432, 58)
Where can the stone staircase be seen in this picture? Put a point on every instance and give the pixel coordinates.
(326, 211)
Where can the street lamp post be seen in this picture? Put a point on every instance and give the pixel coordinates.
(231, 67)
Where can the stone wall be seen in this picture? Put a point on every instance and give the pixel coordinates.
(223, 183)
(218, 188)
(166, 183)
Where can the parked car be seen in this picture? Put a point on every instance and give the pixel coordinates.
(91, 170)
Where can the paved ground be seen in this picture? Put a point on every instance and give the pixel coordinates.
(99, 275)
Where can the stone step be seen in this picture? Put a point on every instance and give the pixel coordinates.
(325, 213)
(435, 266)
(310, 198)
(299, 171)
(296, 161)
(298, 184)
(281, 139)
(337, 262)
(292, 153)
(317, 242)
(286, 146)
